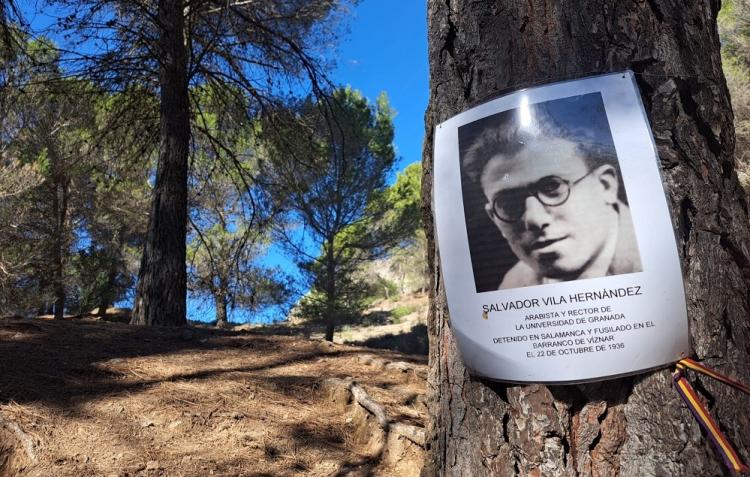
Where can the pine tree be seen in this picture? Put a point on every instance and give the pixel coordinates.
(255, 51)
(634, 425)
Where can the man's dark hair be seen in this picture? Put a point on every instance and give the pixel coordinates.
(581, 120)
(505, 136)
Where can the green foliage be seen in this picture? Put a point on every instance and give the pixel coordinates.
(79, 141)
(92, 268)
(401, 311)
(404, 263)
(43, 129)
(243, 55)
(404, 197)
(71, 224)
(331, 161)
(382, 288)
(317, 306)
(402, 247)
(734, 29)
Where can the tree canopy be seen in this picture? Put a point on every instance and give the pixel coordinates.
(333, 176)
(231, 215)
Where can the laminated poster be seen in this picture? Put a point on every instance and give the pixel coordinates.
(558, 254)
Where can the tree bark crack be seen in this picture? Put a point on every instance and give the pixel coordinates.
(687, 87)
(656, 10)
(701, 389)
(450, 36)
(685, 226)
(738, 256)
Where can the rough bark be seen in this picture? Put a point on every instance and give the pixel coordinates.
(162, 280)
(220, 304)
(631, 426)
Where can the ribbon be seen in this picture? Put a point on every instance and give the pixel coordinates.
(699, 411)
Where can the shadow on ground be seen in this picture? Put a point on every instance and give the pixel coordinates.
(413, 342)
(57, 363)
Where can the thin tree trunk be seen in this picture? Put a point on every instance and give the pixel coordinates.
(162, 280)
(59, 301)
(115, 251)
(101, 310)
(60, 205)
(330, 328)
(330, 289)
(105, 300)
(632, 426)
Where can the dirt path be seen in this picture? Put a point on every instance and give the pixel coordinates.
(82, 398)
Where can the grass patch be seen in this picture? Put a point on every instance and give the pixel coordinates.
(401, 311)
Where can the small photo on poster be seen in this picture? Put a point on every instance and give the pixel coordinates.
(543, 196)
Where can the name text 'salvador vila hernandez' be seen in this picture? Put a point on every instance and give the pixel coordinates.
(582, 297)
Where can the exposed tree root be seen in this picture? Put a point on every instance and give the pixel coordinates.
(385, 440)
(364, 400)
(413, 433)
(18, 449)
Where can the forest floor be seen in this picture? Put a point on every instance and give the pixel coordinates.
(84, 397)
(399, 324)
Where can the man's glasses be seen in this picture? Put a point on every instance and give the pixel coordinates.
(510, 205)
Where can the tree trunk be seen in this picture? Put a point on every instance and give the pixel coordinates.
(60, 206)
(330, 328)
(330, 289)
(59, 301)
(105, 300)
(220, 303)
(162, 280)
(114, 252)
(631, 426)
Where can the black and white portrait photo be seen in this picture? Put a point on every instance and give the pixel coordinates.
(543, 196)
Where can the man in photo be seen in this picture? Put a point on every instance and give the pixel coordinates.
(556, 196)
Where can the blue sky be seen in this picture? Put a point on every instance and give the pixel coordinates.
(386, 50)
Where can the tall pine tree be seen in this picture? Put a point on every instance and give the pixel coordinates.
(253, 50)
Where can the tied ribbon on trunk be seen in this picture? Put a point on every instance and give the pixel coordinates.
(686, 392)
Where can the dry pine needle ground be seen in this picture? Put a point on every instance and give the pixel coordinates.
(107, 399)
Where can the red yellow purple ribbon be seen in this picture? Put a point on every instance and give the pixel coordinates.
(686, 392)
(696, 366)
